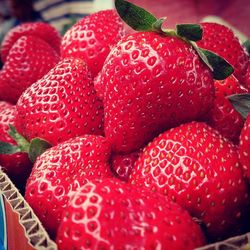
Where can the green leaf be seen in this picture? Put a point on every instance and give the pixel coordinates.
(246, 44)
(7, 148)
(192, 32)
(37, 147)
(22, 143)
(202, 55)
(241, 103)
(220, 67)
(136, 17)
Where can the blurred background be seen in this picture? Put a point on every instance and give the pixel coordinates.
(63, 13)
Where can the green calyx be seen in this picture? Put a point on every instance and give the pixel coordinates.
(241, 103)
(136, 17)
(141, 20)
(34, 148)
(246, 44)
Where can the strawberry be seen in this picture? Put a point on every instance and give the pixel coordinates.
(244, 147)
(247, 78)
(99, 86)
(41, 30)
(152, 82)
(122, 165)
(223, 116)
(92, 38)
(196, 167)
(241, 103)
(17, 165)
(62, 169)
(110, 214)
(221, 40)
(61, 105)
(28, 60)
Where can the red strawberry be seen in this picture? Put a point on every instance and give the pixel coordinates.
(196, 167)
(17, 165)
(221, 40)
(228, 86)
(41, 30)
(247, 78)
(110, 214)
(223, 116)
(241, 104)
(122, 165)
(61, 170)
(29, 59)
(244, 147)
(99, 86)
(61, 105)
(152, 82)
(92, 37)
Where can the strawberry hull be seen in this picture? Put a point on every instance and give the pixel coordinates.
(21, 229)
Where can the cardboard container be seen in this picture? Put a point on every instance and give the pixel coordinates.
(20, 229)
(241, 242)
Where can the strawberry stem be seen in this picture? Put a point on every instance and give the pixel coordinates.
(157, 25)
(22, 143)
(34, 148)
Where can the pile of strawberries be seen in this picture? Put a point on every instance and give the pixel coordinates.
(128, 140)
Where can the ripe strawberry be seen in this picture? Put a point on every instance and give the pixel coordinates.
(17, 166)
(61, 105)
(122, 165)
(110, 214)
(92, 37)
(221, 40)
(223, 116)
(99, 88)
(247, 78)
(241, 103)
(196, 167)
(29, 59)
(152, 82)
(41, 30)
(244, 147)
(61, 170)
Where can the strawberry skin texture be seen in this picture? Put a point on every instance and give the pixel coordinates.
(244, 147)
(41, 30)
(92, 37)
(197, 168)
(17, 166)
(110, 214)
(152, 83)
(99, 88)
(61, 170)
(222, 115)
(122, 165)
(61, 105)
(29, 59)
(221, 40)
(247, 78)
